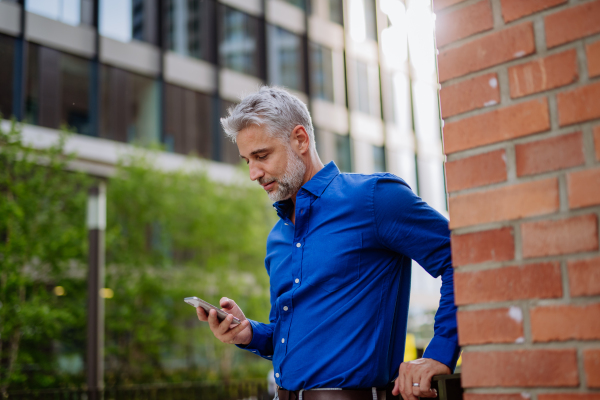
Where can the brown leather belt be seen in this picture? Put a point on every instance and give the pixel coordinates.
(337, 394)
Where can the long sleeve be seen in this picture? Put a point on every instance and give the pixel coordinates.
(407, 225)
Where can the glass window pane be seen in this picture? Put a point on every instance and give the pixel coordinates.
(379, 159)
(370, 19)
(72, 12)
(362, 87)
(7, 55)
(229, 150)
(297, 3)
(321, 72)
(129, 107)
(58, 90)
(239, 42)
(126, 20)
(343, 155)
(286, 59)
(188, 121)
(188, 28)
(336, 11)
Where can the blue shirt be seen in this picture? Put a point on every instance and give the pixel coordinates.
(340, 282)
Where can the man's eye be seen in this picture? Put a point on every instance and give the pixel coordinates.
(261, 157)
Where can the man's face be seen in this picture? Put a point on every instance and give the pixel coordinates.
(273, 163)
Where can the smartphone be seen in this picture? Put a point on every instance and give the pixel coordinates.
(221, 315)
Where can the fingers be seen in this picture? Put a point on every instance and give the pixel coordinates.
(222, 330)
(426, 390)
(410, 391)
(201, 314)
(396, 389)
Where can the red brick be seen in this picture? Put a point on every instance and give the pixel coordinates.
(469, 95)
(593, 59)
(569, 396)
(493, 49)
(578, 105)
(496, 126)
(584, 188)
(584, 277)
(597, 141)
(543, 74)
(464, 22)
(474, 248)
(495, 396)
(441, 4)
(501, 325)
(563, 236)
(521, 368)
(531, 281)
(505, 203)
(572, 23)
(550, 154)
(482, 169)
(515, 9)
(591, 364)
(560, 323)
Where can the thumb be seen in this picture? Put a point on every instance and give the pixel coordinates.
(226, 303)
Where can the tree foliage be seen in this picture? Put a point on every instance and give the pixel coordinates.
(168, 236)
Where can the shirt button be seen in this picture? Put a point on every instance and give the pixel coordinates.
(277, 375)
(285, 308)
(297, 280)
(282, 340)
(298, 245)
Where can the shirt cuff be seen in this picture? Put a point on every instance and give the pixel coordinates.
(261, 343)
(443, 350)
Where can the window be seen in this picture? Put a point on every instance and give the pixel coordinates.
(336, 11)
(58, 90)
(370, 19)
(297, 3)
(321, 74)
(129, 109)
(7, 55)
(72, 12)
(189, 28)
(343, 153)
(362, 88)
(127, 20)
(379, 159)
(188, 121)
(240, 46)
(286, 59)
(229, 152)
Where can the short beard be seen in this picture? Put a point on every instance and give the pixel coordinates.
(291, 181)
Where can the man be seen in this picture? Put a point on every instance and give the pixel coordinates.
(339, 261)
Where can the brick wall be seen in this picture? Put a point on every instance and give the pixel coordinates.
(521, 104)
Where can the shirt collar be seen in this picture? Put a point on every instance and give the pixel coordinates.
(316, 185)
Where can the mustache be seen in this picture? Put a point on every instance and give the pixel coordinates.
(266, 181)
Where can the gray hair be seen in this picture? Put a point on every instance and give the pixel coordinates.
(276, 109)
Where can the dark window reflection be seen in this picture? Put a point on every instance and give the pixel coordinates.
(343, 153)
(379, 158)
(58, 90)
(72, 12)
(286, 59)
(187, 121)
(297, 3)
(144, 18)
(321, 72)
(189, 28)
(129, 110)
(336, 11)
(7, 55)
(240, 43)
(229, 150)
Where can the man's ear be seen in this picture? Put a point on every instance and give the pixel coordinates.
(301, 139)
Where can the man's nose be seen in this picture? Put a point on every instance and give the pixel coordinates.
(255, 172)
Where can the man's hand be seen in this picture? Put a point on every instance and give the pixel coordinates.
(236, 334)
(418, 371)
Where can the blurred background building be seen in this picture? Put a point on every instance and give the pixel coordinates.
(120, 72)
